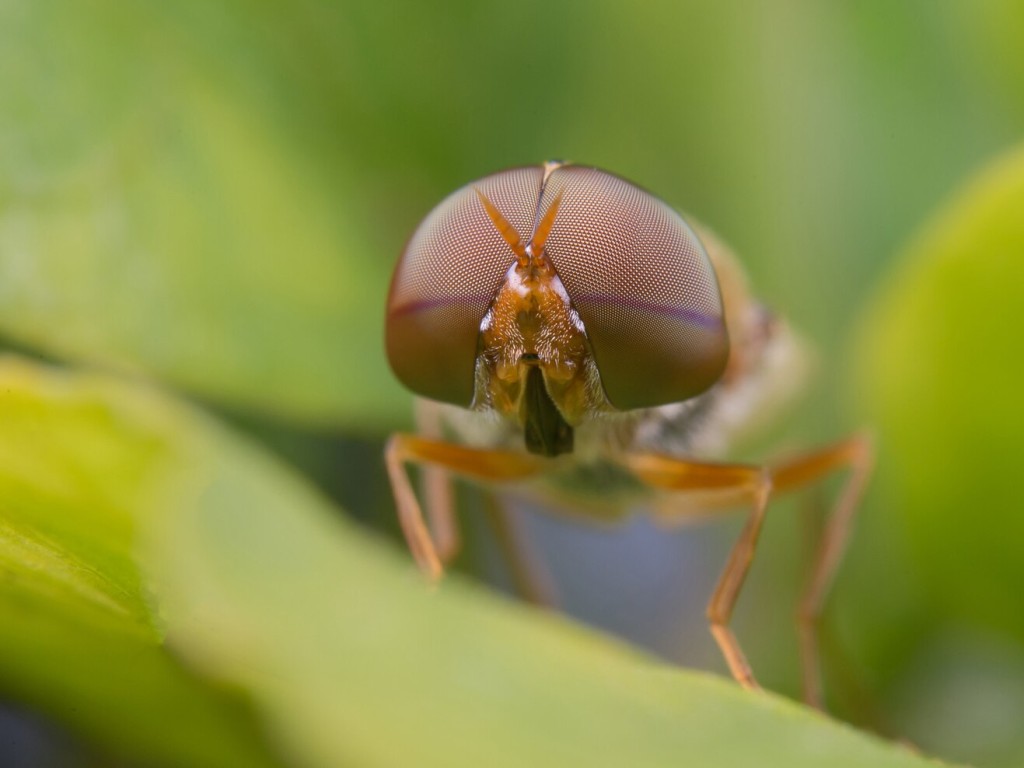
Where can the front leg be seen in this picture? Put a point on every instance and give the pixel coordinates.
(485, 465)
(734, 482)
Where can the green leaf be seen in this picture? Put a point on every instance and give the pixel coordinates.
(78, 643)
(940, 373)
(357, 662)
(352, 659)
(157, 213)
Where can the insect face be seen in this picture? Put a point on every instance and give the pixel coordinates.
(561, 268)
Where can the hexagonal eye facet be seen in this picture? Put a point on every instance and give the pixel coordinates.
(642, 283)
(633, 269)
(447, 278)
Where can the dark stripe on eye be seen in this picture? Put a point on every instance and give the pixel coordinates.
(692, 316)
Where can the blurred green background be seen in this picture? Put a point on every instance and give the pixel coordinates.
(211, 197)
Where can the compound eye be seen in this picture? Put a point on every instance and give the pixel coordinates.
(447, 278)
(643, 286)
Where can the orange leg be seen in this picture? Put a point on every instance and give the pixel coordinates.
(857, 455)
(439, 499)
(729, 484)
(739, 481)
(484, 465)
(437, 488)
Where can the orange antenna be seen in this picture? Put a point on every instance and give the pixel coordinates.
(544, 228)
(507, 231)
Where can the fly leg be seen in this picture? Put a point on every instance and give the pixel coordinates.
(736, 483)
(855, 454)
(529, 576)
(733, 482)
(483, 465)
(437, 488)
